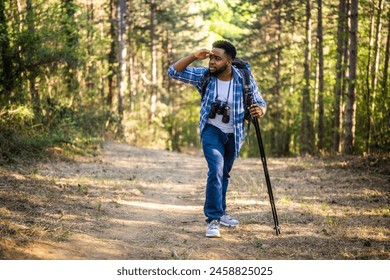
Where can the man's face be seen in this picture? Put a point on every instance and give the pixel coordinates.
(219, 61)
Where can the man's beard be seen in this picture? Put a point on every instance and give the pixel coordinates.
(218, 71)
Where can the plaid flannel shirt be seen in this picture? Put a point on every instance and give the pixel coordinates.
(193, 75)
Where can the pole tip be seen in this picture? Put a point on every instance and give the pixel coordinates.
(277, 229)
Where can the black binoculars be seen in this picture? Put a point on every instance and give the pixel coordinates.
(220, 108)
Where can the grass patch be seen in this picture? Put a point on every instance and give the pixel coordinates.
(63, 132)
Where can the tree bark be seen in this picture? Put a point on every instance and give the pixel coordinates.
(306, 132)
(122, 63)
(69, 26)
(385, 124)
(350, 110)
(132, 57)
(374, 74)
(6, 80)
(280, 137)
(368, 77)
(111, 55)
(338, 89)
(277, 135)
(35, 99)
(90, 68)
(321, 126)
(385, 109)
(153, 62)
(377, 42)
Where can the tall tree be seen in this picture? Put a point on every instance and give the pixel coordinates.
(374, 72)
(278, 137)
(350, 110)
(153, 61)
(70, 31)
(377, 43)
(384, 119)
(91, 67)
(122, 62)
(306, 130)
(31, 54)
(342, 36)
(6, 73)
(320, 50)
(112, 54)
(368, 92)
(132, 54)
(385, 92)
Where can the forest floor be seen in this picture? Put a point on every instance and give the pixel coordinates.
(137, 203)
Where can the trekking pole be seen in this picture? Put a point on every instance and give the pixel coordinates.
(248, 97)
(255, 122)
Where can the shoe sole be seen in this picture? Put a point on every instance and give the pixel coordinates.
(213, 236)
(227, 225)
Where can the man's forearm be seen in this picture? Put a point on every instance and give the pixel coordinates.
(184, 62)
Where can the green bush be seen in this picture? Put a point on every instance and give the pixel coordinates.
(25, 137)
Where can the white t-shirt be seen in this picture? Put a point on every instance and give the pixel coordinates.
(223, 87)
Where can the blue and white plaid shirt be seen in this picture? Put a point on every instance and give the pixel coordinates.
(193, 75)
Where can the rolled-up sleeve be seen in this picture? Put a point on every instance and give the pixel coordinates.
(258, 98)
(190, 75)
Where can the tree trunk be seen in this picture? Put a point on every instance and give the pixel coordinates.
(132, 81)
(378, 29)
(350, 110)
(345, 71)
(385, 108)
(18, 15)
(132, 58)
(385, 123)
(306, 133)
(374, 72)
(122, 63)
(6, 80)
(338, 89)
(111, 55)
(35, 99)
(368, 82)
(90, 68)
(153, 62)
(69, 26)
(276, 134)
(280, 137)
(321, 127)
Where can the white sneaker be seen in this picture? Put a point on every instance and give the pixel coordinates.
(213, 229)
(228, 221)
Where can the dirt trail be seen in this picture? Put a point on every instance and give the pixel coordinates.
(135, 203)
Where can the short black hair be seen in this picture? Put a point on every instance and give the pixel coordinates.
(227, 46)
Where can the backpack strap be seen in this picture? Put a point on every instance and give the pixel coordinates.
(247, 88)
(242, 66)
(204, 82)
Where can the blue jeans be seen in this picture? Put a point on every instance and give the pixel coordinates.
(219, 151)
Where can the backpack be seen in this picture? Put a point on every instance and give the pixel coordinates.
(247, 89)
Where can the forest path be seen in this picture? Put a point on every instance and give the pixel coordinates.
(137, 203)
(150, 206)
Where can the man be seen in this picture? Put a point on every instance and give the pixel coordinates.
(221, 122)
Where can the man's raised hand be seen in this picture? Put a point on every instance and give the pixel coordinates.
(202, 54)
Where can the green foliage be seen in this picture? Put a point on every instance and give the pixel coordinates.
(24, 137)
(18, 137)
(56, 58)
(226, 19)
(49, 105)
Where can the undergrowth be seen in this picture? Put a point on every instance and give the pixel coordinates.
(26, 136)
